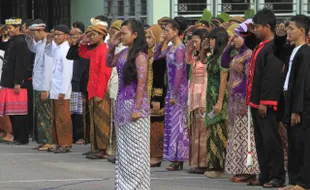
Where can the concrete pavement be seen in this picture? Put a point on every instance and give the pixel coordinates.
(22, 168)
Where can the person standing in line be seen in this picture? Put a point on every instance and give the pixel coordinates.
(113, 88)
(13, 94)
(132, 108)
(263, 92)
(197, 92)
(176, 138)
(80, 68)
(156, 92)
(5, 122)
(297, 96)
(61, 88)
(41, 81)
(237, 63)
(98, 96)
(216, 108)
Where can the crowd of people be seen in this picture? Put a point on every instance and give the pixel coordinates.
(231, 97)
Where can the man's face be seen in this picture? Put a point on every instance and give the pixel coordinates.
(293, 32)
(260, 31)
(13, 30)
(60, 37)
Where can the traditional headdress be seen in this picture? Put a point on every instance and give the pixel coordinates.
(94, 21)
(14, 21)
(100, 29)
(117, 24)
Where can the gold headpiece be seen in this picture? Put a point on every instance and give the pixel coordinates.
(16, 21)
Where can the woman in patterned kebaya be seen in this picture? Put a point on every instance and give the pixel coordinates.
(237, 149)
(132, 108)
(197, 106)
(176, 140)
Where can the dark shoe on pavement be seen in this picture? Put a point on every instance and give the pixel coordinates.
(112, 159)
(274, 183)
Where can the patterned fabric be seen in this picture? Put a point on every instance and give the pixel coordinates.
(43, 119)
(283, 134)
(236, 156)
(176, 143)
(237, 149)
(61, 123)
(133, 155)
(12, 103)
(137, 94)
(5, 124)
(198, 140)
(112, 135)
(217, 135)
(100, 118)
(217, 130)
(157, 139)
(76, 103)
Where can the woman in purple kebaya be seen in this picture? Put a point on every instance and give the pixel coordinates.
(176, 139)
(132, 117)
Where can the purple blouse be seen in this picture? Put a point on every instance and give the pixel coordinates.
(133, 97)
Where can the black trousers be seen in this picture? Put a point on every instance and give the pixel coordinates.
(299, 155)
(28, 84)
(78, 127)
(20, 128)
(269, 146)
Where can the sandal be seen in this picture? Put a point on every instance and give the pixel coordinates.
(45, 147)
(243, 178)
(80, 142)
(175, 166)
(255, 183)
(274, 183)
(38, 147)
(63, 150)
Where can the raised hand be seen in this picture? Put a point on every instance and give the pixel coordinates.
(116, 39)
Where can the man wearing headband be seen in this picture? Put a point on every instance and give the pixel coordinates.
(41, 82)
(99, 100)
(61, 89)
(13, 95)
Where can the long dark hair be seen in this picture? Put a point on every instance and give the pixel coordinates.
(221, 39)
(139, 45)
(203, 34)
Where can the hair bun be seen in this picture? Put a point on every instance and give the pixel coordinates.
(181, 22)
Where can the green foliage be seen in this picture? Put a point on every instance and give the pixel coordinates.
(206, 15)
(249, 14)
(224, 16)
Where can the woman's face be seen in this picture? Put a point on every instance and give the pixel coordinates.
(127, 36)
(212, 43)
(149, 39)
(196, 42)
(170, 32)
(238, 41)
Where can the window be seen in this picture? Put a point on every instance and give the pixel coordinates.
(190, 7)
(280, 7)
(234, 7)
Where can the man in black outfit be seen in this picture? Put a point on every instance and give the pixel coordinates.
(263, 92)
(12, 82)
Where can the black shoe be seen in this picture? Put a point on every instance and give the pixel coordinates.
(274, 183)
(112, 159)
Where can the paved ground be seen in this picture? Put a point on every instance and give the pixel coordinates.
(22, 168)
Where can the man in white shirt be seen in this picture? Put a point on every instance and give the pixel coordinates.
(41, 81)
(61, 89)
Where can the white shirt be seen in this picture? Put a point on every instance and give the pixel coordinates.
(113, 82)
(290, 67)
(62, 71)
(43, 65)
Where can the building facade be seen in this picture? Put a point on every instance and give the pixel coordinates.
(148, 11)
